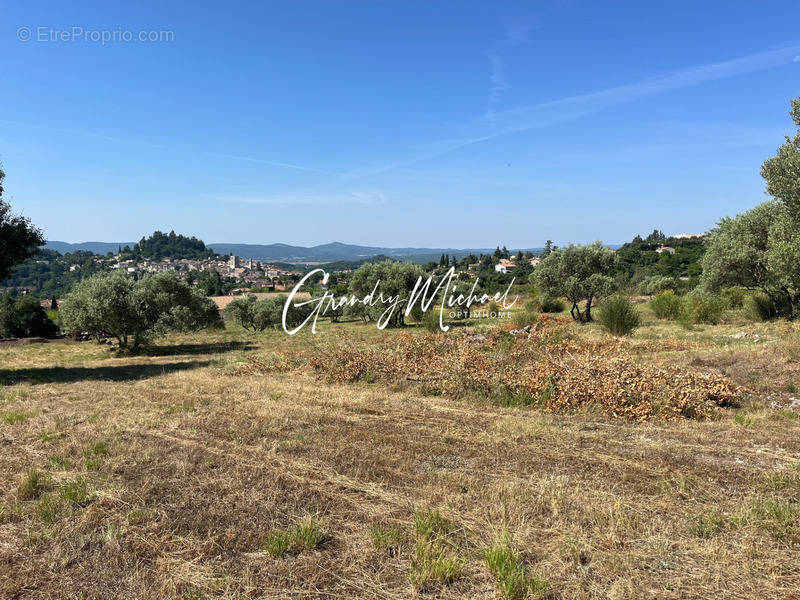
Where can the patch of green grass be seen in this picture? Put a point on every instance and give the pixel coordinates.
(278, 543)
(10, 417)
(33, 484)
(305, 534)
(680, 484)
(386, 539)
(784, 414)
(47, 436)
(95, 450)
(308, 534)
(434, 560)
(432, 564)
(743, 419)
(505, 397)
(60, 462)
(92, 453)
(513, 577)
(707, 523)
(48, 509)
(783, 479)
(430, 524)
(76, 492)
(137, 516)
(774, 515)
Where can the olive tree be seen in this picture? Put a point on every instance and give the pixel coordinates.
(256, 315)
(580, 274)
(782, 171)
(760, 249)
(395, 280)
(136, 312)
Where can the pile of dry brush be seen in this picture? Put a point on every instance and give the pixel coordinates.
(547, 368)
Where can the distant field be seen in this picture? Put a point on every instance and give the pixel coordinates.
(231, 465)
(223, 301)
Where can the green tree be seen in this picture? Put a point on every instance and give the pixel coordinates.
(782, 171)
(135, 312)
(19, 239)
(758, 249)
(580, 274)
(395, 279)
(210, 282)
(24, 317)
(257, 315)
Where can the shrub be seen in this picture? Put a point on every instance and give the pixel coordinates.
(667, 305)
(551, 304)
(761, 307)
(704, 307)
(430, 320)
(734, 296)
(619, 316)
(24, 317)
(655, 284)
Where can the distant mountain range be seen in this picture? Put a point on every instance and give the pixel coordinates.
(96, 247)
(334, 251)
(338, 251)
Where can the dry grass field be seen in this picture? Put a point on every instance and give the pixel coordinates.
(188, 472)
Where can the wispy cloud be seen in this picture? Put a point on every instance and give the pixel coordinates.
(550, 113)
(125, 140)
(354, 197)
(274, 163)
(499, 84)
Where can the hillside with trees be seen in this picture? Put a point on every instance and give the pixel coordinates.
(167, 245)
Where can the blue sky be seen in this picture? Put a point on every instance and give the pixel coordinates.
(460, 124)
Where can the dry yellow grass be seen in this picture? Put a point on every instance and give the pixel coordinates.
(189, 470)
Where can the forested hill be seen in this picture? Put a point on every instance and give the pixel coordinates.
(641, 257)
(168, 245)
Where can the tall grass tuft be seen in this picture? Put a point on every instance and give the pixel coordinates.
(434, 561)
(512, 575)
(305, 534)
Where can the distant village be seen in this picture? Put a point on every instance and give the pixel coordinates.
(249, 272)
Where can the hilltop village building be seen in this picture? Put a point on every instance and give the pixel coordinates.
(506, 266)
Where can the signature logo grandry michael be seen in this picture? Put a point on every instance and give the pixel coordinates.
(424, 293)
